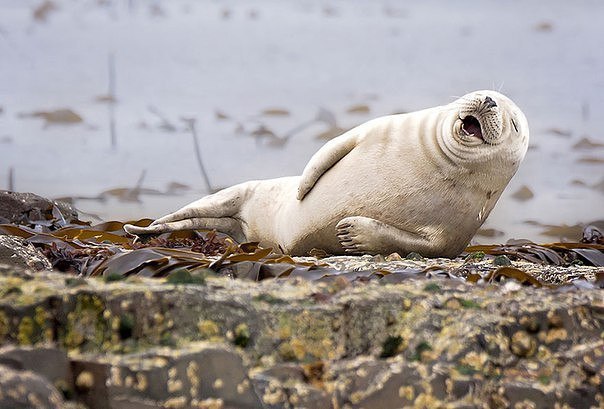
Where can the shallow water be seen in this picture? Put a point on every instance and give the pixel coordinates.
(192, 59)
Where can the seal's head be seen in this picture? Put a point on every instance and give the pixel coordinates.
(485, 126)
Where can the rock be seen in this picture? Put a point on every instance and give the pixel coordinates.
(21, 208)
(15, 251)
(90, 382)
(25, 389)
(161, 377)
(288, 394)
(522, 344)
(294, 385)
(141, 343)
(47, 361)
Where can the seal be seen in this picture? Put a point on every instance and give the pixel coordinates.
(417, 182)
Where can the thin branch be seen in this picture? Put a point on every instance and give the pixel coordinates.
(190, 122)
(322, 116)
(11, 179)
(165, 124)
(139, 184)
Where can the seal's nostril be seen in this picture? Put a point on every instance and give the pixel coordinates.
(489, 102)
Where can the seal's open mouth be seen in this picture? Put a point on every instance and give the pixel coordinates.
(471, 127)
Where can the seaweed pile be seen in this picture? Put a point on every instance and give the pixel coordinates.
(105, 250)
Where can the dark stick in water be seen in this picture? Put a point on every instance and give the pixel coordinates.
(190, 122)
(11, 179)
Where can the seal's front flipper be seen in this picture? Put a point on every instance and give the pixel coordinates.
(325, 158)
(360, 234)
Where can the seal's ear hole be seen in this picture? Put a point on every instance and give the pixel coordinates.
(514, 125)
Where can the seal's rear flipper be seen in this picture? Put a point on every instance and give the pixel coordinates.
(227, 225)
(218, 211)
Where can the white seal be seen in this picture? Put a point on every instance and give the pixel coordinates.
(418, 182)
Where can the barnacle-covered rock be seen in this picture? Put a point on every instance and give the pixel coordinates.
(189, 377)
(26, 389)
(293, 343)
(47, 361)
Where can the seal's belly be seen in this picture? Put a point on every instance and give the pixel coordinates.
(388, 188)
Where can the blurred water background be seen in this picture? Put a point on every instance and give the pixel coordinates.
(101, 100)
